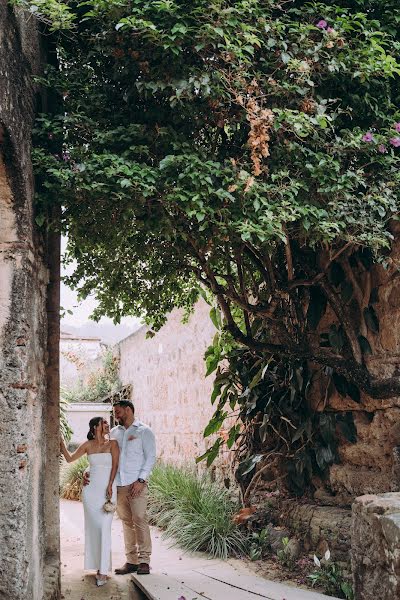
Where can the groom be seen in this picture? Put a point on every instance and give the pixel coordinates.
(136, 459)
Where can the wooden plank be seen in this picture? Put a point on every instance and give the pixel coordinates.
(214, 583)
(212, 589)
(161, 587)
(257, 587)
(192, 586)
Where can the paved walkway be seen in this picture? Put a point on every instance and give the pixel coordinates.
(199, 575)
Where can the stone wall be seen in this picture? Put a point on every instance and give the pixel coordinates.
(375, 553)
(79, 415)
(170, 391)
(318, 527)
(368, 466)
(24, 504)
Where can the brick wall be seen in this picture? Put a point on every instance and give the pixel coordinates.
(170, 391)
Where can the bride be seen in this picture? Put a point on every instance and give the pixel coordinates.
(103, 456)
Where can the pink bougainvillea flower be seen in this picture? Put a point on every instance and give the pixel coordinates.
(397, 127)
(330, 30)
(395, 142)
(368, 137)
(322, 24)
(382, 148)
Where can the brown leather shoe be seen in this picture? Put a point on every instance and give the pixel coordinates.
(127, 568)
(143, 569)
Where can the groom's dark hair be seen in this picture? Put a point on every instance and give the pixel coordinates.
(125, 404)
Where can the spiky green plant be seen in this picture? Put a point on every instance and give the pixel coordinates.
(65, 428)
(71, 478)
(194, 511)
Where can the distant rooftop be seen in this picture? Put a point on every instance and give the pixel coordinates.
(66, 335)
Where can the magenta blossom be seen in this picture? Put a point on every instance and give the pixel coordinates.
(395, 141)
(330, 30)
(322, 24)
(382, 148)
(397, 127)
(368, 137)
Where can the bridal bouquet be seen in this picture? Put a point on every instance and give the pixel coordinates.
(109, 507)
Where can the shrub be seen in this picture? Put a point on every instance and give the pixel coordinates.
(328, 575)
(71, 478)
(100, 383)
(195, 511)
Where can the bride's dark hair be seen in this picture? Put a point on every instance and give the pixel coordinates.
(93, 423)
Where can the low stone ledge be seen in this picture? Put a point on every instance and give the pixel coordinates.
(375, 533)
(319, 527)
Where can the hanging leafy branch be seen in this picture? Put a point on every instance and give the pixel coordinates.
(272, 424)
(249, 148)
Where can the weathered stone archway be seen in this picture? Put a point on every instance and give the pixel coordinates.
(29, 309)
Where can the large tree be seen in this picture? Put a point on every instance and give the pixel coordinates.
(247, 147)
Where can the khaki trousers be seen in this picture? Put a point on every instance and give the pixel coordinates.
(132, 512)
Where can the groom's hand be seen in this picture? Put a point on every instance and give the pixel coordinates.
(86, 478)
(136, 489)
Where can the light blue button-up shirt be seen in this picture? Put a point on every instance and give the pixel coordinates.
(137, 452)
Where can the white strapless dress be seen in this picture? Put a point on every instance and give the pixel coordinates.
(97, 522)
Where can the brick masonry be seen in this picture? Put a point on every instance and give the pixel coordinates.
(170, 391)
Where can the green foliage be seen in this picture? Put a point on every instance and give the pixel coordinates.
(65, 429)
(259, 544)
(194, 511)
(71, 478)
(250, 148)
(56, 15)
(100, 383)
(328, 576)
(284, 556)
(268, 401)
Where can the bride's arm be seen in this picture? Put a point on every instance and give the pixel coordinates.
(75, 455)
(114, 468)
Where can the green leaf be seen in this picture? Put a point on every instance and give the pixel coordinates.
(256, 379)
(234, 432)
(247, 465)
(211, 454)
(336, 338)
(340, 383)
(371, 319)
(216, 392)
(327, 427)
(215, 424)
(215, 316)
(324, 457)
(203, 294)
(40, 220)
(211, 364)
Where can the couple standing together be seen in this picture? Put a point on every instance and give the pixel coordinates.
(120, 463)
